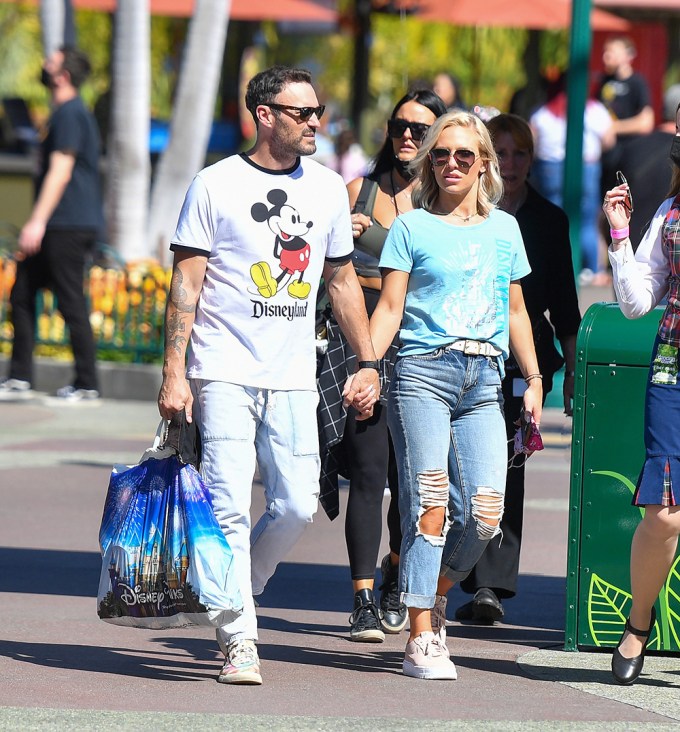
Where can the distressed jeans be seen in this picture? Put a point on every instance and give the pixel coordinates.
(446, 420)
(242, 427)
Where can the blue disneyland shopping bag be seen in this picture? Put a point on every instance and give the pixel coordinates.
(166, 563)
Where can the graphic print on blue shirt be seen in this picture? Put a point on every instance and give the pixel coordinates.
(459, 278)
(290, 248)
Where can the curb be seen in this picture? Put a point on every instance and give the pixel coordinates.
(135, 381)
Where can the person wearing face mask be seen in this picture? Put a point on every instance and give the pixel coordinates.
(641, 281)
(452, 271)
(61, 231)
(647, 168)
(550, 287)
(361, 449)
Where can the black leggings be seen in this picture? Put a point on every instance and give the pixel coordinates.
(369, 457)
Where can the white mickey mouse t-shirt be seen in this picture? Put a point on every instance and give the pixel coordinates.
(266, 235)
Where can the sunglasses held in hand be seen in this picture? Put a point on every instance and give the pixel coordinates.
(465, 159)
(628, 200)
(397, 127)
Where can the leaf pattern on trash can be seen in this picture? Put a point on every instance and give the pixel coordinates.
(672, 596)
(608, 609)
(626, 481)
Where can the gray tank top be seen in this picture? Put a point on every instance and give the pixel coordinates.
(368, 246)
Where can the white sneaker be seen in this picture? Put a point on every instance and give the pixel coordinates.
(13, 390)
(71, 394)
(426, 659)
(242, 665)
(438, 617)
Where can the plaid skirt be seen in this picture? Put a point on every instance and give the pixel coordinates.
(659, 481)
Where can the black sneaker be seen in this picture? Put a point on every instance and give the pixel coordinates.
(365, 620)
(394, 613)
(484, 608)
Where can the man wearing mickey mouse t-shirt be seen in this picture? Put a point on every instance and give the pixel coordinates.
(255, 234)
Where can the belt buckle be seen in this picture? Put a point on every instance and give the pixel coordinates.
(472, 348)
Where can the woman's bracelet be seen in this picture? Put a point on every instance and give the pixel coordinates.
(533, 376)
(620, 233)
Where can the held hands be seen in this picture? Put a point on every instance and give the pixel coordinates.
(360, 222)
(362, 391)
(174, 396)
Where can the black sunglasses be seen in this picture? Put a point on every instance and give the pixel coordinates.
(397, 127)
(465, 159)
(628, 200)
(303, 113)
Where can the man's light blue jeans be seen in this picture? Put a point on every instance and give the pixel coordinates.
(242, 427)
(446, 421)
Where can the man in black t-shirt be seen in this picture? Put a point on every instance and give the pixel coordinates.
(625, 93)
(61, 230)
(647, 167)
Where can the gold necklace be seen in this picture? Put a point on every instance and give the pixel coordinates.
(458, 216)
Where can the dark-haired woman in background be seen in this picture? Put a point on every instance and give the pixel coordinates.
(361, 449)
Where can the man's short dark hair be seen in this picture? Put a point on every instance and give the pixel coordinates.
(264, 87)
(77, 64)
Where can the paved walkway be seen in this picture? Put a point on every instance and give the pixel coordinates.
(62, 668)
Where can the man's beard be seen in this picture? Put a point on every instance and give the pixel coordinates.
(282, 147)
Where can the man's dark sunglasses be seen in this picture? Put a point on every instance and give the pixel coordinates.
(621, 180)
(303, 113)
(397, 127)
(465, 159)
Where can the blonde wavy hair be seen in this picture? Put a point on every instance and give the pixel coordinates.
(490, 188)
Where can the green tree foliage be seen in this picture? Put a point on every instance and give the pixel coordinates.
(21, 56)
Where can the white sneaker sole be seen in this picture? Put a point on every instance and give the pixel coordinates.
(368, 636)
(244, 677)
(429, 672)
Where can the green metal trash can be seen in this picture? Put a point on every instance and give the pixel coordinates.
(613, 357)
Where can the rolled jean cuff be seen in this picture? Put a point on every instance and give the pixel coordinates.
(454, 575)
(424, 602)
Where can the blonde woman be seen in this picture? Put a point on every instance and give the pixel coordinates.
(451, 269)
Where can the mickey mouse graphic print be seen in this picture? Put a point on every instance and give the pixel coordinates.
(266, 235)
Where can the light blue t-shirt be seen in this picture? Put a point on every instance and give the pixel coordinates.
(459, 281)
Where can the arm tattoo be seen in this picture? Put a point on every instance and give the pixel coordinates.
(336, 269)
(175, 326)
(178, 295)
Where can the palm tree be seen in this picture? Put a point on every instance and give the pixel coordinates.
(127, 188)
(58, 29)
(191, 119)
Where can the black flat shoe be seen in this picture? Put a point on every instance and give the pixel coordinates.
(626, 670)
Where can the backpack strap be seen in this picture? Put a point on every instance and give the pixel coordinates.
(366, 198)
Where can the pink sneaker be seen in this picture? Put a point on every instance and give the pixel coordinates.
(438, 618)
(242, 665)
(426, 659)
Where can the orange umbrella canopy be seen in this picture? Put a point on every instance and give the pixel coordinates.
(535, 14)
(302, 10)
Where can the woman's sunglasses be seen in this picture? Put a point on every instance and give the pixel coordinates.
(628, 200)
(303, 113)
(397, 127)
(465, 159)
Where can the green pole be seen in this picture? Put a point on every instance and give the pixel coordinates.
(577, 91)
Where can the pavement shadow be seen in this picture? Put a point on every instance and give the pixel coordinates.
(119, 661)
(49, 571)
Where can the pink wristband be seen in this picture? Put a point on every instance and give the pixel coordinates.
(620, 233)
